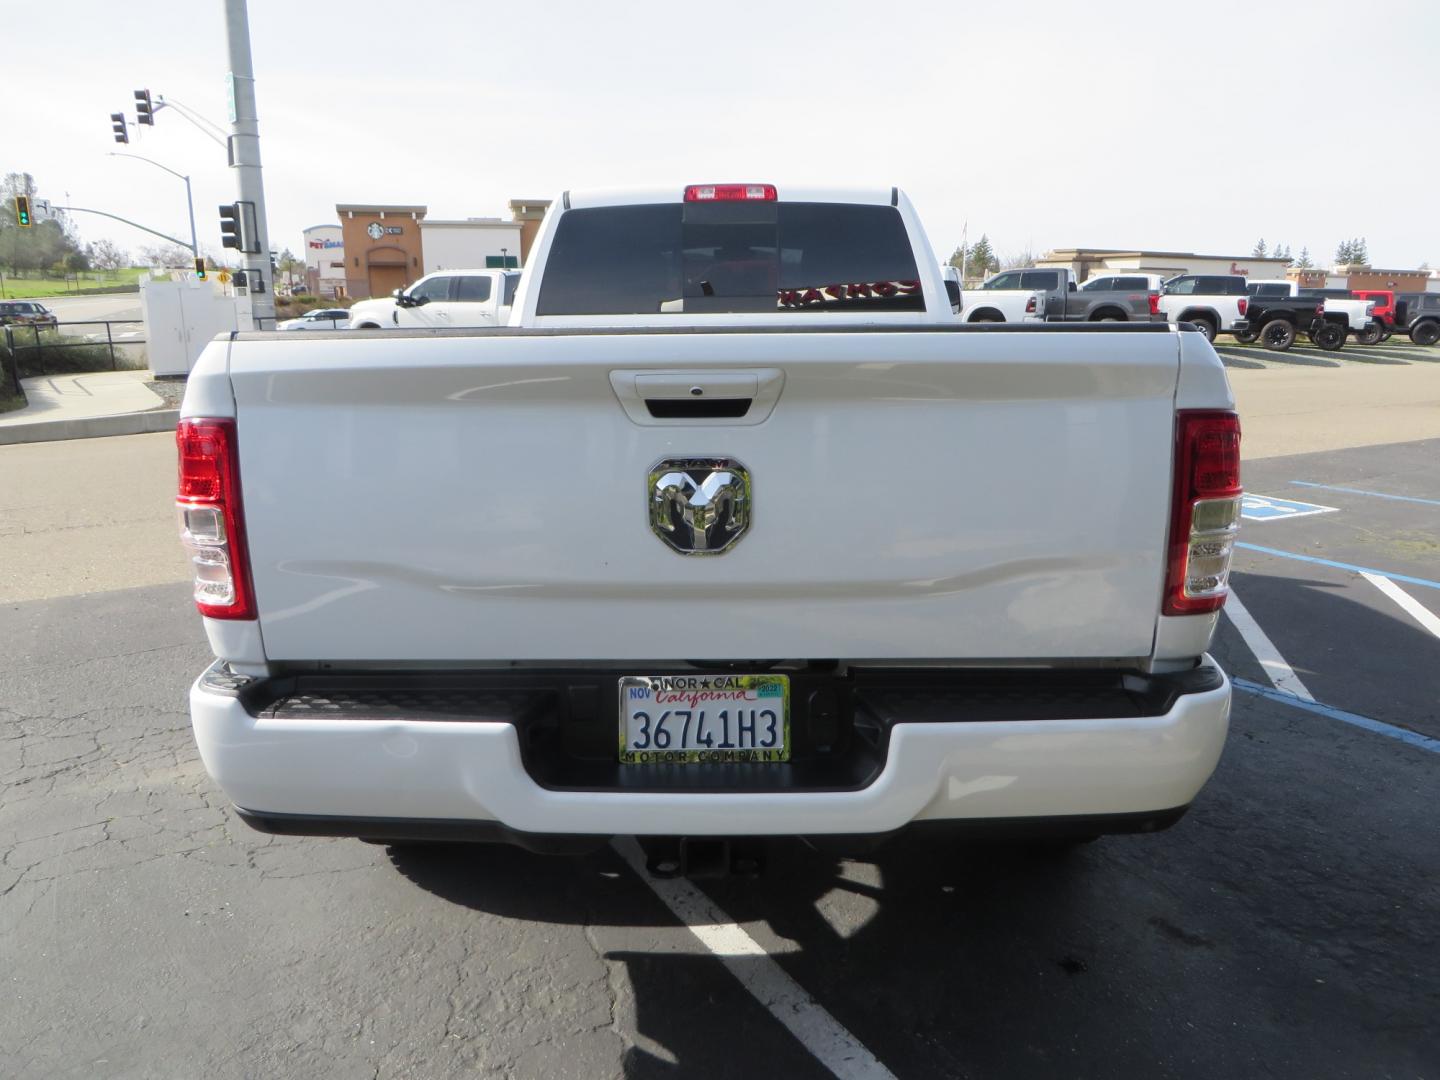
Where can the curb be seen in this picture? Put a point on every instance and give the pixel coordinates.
(91, 427)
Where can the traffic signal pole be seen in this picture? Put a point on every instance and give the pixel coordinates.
(245, 160)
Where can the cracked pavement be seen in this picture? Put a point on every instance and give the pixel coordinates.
(1285, 928)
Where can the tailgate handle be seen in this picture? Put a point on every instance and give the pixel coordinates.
(745, 395)
(700, 408)
(714, 395)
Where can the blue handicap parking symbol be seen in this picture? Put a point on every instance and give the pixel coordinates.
(1265, 508)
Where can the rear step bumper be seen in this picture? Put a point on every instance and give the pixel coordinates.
(1126, 751)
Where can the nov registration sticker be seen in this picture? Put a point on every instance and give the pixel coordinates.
(685, 719)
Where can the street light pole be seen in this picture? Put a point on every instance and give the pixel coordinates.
(245, 160)
(189, 199)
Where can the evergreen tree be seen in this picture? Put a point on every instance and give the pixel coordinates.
(1259, 251)
(1303, 260)
(979, 259)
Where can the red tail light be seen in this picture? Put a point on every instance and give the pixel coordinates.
(1243, 304)
(1154, 299)
(1030, 306)
(212, 521)
(1204, 511)
(730, 192)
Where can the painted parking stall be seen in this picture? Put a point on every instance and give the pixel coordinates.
(1269, 508)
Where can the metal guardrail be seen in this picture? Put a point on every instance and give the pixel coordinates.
(28, 344)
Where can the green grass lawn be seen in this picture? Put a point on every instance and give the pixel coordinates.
(39, 288)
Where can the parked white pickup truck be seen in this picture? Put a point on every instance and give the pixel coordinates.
(443, 299)
(737, 531)
(1212, 303)
(1003, 306)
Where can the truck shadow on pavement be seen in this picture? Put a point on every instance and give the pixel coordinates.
(1270, 356)
(940, 958)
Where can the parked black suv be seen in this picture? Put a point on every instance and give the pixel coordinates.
(1419, 313)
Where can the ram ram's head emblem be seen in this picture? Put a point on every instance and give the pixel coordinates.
(699, 506)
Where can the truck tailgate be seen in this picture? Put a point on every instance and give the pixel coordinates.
(916, 494)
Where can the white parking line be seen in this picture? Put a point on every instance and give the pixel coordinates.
(1281, 675)
(1413, 607)
(819, 1032)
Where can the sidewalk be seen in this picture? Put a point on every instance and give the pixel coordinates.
(87, 405)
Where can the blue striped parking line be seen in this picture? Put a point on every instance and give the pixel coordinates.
(1340, 565)
(1377, 727)
(1362, 491)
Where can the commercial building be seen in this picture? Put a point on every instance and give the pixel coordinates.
(1091, 262)
(385, 248)
(529, 213)
(1367, 277)
(382, 247)
(325, 260)
(470, 244)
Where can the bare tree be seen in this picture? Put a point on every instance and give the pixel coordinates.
(18, 183)
(105, 255)
(167, 256)
(1016, 260)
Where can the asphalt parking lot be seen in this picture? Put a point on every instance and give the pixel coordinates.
(1285, 927)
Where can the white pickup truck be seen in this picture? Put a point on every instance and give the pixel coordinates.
(1004, 306)
(443, 299)
(736, 531)
(1212, 303)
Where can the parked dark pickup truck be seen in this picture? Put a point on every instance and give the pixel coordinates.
(1065, 302)
(1275, 320)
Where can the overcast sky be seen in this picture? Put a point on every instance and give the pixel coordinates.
(1199, 126)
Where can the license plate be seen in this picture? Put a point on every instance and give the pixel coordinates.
(704, 718)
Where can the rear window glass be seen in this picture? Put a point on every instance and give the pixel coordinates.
(706, 258)
(1221, 286)
(472, 287)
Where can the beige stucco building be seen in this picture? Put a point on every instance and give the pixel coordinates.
(382, 247)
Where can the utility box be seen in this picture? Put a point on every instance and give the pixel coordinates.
(182, 317)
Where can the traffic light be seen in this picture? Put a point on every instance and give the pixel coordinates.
(117, 123)
(230, 226)
(144, 110)
(22, 211)
(200, 267)
(237, 227)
